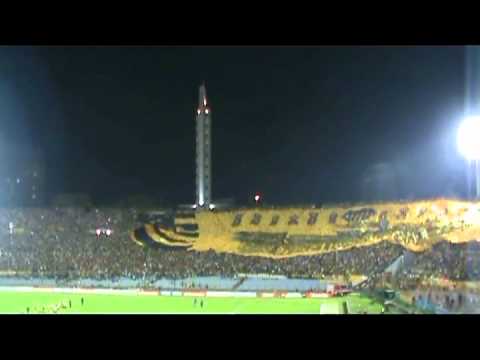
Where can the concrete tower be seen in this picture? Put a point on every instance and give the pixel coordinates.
(203, 151)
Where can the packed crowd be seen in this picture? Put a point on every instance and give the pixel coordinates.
(63, 243)
(459, 262)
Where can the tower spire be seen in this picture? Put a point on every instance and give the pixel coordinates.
(203, 150)
(202, 96)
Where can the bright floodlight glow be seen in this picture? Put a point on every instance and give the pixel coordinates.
(194, 206)
(211, 206)
(257, 197)
(206, 111)
(201, 203)
(468, 138)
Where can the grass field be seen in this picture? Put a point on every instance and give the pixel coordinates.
(17, 302)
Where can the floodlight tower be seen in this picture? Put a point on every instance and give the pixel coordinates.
(203, 151)
(468, 137)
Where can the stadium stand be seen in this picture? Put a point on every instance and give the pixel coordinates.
(62, 244)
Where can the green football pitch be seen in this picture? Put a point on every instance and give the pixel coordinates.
(38, 302)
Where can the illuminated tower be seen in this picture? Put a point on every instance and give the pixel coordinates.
(203, 151)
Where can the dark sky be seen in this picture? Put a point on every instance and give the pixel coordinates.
(300, 124)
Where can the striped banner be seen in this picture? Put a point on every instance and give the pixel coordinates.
(294, 295)
(149, 293)
(141, 292)
(194, 293)
(265, 295)
(312, 294)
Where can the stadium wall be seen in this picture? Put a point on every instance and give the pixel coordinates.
(140, 292)
(201, 284)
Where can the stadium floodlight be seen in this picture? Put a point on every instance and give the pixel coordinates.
(468, 142)
(468, 138)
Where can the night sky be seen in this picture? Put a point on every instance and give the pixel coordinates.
(299, 124)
